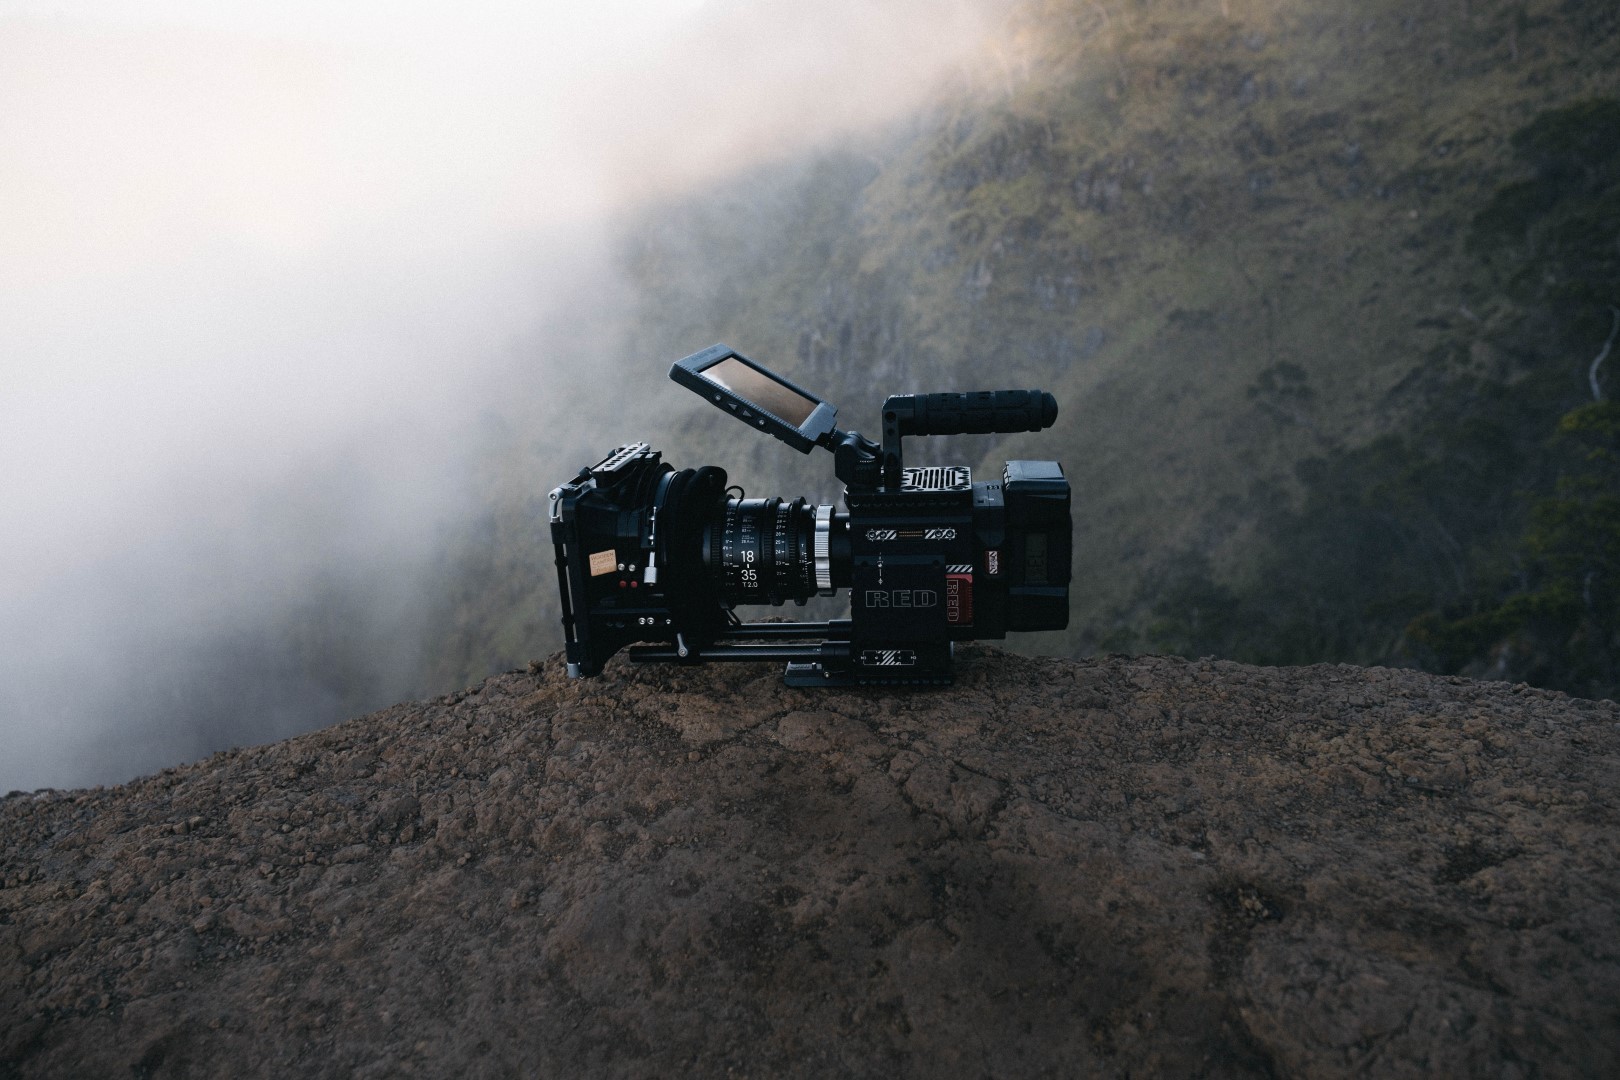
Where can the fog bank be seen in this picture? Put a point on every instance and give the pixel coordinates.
(264, 270)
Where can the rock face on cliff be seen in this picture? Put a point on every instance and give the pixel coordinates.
(1114, 866)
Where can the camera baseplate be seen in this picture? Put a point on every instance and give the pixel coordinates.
(827, 661)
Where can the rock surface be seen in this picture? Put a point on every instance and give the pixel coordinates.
(1115, 866)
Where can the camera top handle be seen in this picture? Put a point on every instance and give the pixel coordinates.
(982, 413)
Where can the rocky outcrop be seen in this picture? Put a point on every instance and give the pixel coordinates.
(1104, 867)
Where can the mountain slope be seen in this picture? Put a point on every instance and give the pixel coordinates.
(1241, 242)
(1315, 285)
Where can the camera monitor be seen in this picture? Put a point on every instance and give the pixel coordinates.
(757, 396)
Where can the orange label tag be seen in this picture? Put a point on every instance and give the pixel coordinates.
(604, 562)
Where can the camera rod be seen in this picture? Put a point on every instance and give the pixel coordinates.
(757, 630)
(740, 652)
(747, 643)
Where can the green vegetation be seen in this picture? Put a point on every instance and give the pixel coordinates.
(1487, 539)
(1317, 285)
(1557, 621)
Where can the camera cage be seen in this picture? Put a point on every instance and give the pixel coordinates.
(872, 473)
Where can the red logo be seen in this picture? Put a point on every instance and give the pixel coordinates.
(959, 599)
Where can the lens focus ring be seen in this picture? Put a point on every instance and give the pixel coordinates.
(823, 546)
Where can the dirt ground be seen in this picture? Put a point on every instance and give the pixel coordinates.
(1121, 866)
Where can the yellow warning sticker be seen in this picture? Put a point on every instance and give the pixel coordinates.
(604, 562)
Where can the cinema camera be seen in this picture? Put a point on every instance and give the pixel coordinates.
(648, 553)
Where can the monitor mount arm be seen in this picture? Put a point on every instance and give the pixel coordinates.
(856, 460)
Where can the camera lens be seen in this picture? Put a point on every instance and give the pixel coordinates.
(761, 551)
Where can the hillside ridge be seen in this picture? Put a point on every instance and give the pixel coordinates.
(1110, 866)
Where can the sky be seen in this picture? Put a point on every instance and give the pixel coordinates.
(283, 254)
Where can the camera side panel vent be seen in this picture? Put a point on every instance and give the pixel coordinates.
(938, 478)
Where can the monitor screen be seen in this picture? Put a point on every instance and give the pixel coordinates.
(758, 388)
